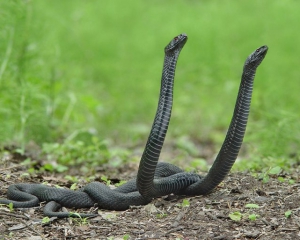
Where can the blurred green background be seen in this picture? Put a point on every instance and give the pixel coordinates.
(95, 66)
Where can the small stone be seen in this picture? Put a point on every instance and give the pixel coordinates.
(261, 199)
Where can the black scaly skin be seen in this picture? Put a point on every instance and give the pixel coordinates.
(146, 184)
(26, 195)
(234, 138)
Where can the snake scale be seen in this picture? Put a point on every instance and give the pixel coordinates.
(154, 179)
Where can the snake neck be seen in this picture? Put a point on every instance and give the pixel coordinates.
(159, 128)
(233, 140)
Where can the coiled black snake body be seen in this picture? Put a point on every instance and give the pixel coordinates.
(148, 186)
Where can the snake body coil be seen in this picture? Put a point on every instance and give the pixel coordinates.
(149, 187)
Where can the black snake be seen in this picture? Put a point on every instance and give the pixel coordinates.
(168, 177)
(149, 187)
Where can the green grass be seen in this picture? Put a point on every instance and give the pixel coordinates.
(95, 67)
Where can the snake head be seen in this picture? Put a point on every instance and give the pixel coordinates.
(255, 58)
(176, 44)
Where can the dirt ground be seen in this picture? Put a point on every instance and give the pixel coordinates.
(171, 217)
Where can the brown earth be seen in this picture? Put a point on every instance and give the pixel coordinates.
(171, 217)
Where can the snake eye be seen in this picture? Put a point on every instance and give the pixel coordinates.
(175, 38)
(257, 50)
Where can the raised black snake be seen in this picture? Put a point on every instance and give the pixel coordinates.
(148, 186)
(168, 177)
(153, 179)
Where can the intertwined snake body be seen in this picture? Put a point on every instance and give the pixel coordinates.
(146, 184)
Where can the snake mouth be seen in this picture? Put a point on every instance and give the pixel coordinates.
(262, 53)
(255, 58)
(264, 49)
(184, 38)
(176, 44)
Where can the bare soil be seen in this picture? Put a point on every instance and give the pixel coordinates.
(201, 217)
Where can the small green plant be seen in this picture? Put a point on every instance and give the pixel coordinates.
(291, 181)
(7, 176)
(266, 178)
(72, 178)
(272, 171)
(185, 203)
(263, 165)
(235, 216)
(11, 207)
(28, 162)
(20, 151)
(281, 179)
(76, 152)
(74, 186)
(126, 237)
(120, 183)
(78, 219)
(76, 214)
(105, 179)
(288, 214)
(45, 220)
(251, 205)
(275, 170)
(51, 168)
(161, 215)
(253, 217)
(25, 175)
(30, 165)
(90, 179)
